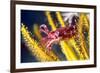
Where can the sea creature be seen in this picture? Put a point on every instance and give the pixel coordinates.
(62, 33)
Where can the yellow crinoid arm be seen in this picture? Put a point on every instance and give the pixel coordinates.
(83, 22)
(36, 31)
(60, 19)
(68, 51)
(35, 48)
(73, 44)
(50, 20)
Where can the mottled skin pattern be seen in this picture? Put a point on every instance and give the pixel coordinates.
(62, 33)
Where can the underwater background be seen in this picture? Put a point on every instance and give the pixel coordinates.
(72, 49)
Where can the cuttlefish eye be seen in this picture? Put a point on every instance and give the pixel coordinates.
(43, 26)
